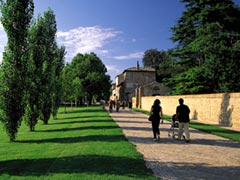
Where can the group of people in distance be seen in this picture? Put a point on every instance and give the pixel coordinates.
(116, 104)
(182, 116)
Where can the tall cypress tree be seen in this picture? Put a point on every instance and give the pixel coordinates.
(40, 81)
(16, 18)
(36, 59)
(49, 65)
(57, 91)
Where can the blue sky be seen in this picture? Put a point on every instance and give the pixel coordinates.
(118, 31)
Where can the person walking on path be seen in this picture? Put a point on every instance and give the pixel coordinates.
(156, 112)
(182, 112)
(118, 105)
(110, 105)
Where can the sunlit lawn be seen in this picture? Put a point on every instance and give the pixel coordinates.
(83, 144)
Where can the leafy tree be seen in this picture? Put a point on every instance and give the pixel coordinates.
(206, 35)
(92, 73)
(16, 18)
(68, 85)
(162, 61)
(222, 59)
(67, 78)
(152, 58)
(192, 81)
(77, 89)
(168, 67)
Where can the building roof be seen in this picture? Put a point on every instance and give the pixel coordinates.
(139, 69)
(152, 83)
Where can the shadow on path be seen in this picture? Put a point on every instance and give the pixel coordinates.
(195, 171)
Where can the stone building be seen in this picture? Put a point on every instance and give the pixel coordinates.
(134, 78)
(154, 89)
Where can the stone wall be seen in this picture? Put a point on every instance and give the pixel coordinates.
(222, 109)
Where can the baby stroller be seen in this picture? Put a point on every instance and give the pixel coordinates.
(174, 124)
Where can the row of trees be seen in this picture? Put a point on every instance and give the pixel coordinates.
(207, 56)
(34, 79)
(31, 68)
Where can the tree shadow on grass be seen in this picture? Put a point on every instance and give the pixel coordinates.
(104, 138)
(88, 164)
(80, 117)
(213, 142)
(81, 110)
(230, 134)
(81, 121)
(80, 128)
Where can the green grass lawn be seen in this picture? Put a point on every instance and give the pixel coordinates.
(85, 143)
(216, 130)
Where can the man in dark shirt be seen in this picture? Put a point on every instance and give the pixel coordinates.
(182, 113)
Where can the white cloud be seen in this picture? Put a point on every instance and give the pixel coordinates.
(112, 68)
(104, 51)
(86, 39)
(1, 26)
(113, 71)
(3, 40)
(130, 56)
